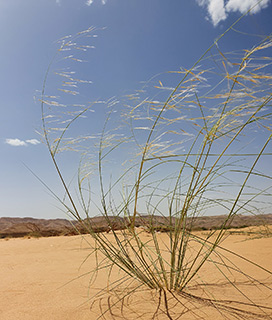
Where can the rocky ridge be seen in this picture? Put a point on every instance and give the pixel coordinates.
(20, 227)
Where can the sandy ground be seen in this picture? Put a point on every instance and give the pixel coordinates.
(48, 278)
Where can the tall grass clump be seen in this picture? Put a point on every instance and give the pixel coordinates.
(191, 142)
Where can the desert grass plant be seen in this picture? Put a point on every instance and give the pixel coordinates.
(191, 142)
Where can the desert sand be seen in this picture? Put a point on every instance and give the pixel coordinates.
(48, 278)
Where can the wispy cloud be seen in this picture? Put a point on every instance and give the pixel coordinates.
(19, 143)
(33, 141)
(89, 2)
(218, 10)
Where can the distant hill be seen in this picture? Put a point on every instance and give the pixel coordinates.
(20, 227)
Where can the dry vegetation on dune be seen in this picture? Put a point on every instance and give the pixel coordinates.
(192, 132)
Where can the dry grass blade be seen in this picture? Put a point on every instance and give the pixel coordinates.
(194, 156)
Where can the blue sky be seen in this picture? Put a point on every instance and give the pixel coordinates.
(136, 39)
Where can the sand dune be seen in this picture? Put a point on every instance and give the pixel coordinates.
(46, 278)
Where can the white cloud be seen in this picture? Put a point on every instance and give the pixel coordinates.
(244, 5)
(15, 142)
(218, 10)
(18, 143)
